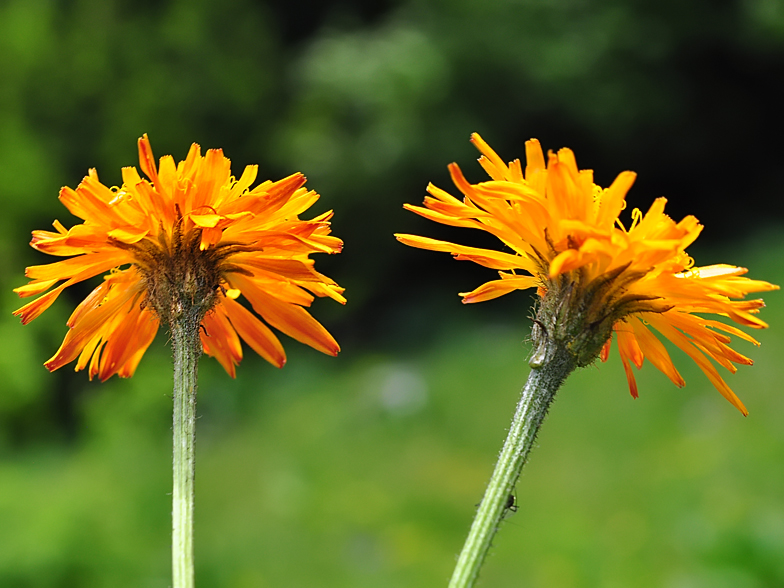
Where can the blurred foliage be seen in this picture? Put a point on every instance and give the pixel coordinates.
(364, 469)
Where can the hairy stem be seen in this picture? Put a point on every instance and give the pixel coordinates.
(552, 367)
(187, 349)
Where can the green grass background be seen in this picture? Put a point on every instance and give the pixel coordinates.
(364, 470)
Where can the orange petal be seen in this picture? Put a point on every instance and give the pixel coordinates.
(321, 289)
(496, 288)
(255, 333)
(485, 257)
(495, 167)
(732, 330)
(128, 235)
(614, 198)
(534, 157)
(294, 269)
(145, 334)
(85, 205)
(567, 261)
(604, 354)
(146, 159)
(78, 268)
(33, 310)
(628, 344)
(87, 354)
(563, 191)
(629, 376)
(90, 323)
(129, 339)
(289, 318)
(682, 342)
(655, 351)
(220, 340)
(246, 179)
(629, 350)
(35, 287)
(205, 221)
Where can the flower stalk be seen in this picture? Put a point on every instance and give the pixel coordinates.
(187, 349)
(539, 391)
(596, 279)
(180, 248)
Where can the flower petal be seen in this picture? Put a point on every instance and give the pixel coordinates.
(255, 333)
(680, 340)
(220, 340)
(289, 318)
(485, 257)
(496, 288)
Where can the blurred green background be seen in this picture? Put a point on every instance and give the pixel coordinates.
(364, 470)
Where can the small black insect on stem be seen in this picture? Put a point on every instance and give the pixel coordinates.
(511, 503)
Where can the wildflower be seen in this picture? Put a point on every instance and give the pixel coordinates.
(595, 277)
(191, 238)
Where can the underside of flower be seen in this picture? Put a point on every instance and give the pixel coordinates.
(189, 239)
(594, 276)
(178, 275)
(580, 315)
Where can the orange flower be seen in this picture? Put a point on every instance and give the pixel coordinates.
(566, 239)
(191, 231)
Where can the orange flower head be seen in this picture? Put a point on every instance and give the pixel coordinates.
(189, 238)
(594, 276)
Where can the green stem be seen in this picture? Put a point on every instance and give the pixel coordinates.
(548, 372)
(187, 349)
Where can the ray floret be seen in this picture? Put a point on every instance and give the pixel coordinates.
(596, 278)
(189, 231)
